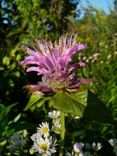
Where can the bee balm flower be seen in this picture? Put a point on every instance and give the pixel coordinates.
(54, 63)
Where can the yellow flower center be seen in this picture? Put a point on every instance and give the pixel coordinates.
(54, 115)
(57, 129)
(43, 146)
(45, 130)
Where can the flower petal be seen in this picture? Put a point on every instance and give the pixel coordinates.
(39, 87)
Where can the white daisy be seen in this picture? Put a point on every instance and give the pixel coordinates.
(56, 121)
(44, 146)
(56, 128)
(43, 129)
(36, 137)
(54, 114)
(97, 146)
(113, 142)
(78, 148)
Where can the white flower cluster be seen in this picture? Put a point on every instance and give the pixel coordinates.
(93, 58)
(98, 57)
(43, 142)
(79, 147)
(113, 143)
(56, 125)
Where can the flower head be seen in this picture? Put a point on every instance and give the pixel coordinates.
(78, 147)
(56, 128)
(54, 114)
(53, 63)
(44, 146)
(97, 146)
(43, 129)
(113, 142)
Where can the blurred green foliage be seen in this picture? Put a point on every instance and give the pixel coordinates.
(99, 31)
(25, 20)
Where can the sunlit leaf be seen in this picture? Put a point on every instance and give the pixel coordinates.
(68, 103)
(81, 96)
(34, 99)
(6, 60)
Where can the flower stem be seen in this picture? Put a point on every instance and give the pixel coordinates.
(62, 118)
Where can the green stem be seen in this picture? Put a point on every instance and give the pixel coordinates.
(62, 118)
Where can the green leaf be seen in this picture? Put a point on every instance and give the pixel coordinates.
(83, 104)
(35, 99)
(6, 61)
(68, 103)
(4, 111)
(96, 110)
(81, 96)
(39, 103)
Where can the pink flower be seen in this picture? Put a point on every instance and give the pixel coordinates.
(54, 63)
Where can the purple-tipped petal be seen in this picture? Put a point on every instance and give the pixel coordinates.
(48, 63)
(36, 69)
(73, 87)
(86, 80)
(76, 48)
(76, 65)
(82, 64)
(39, 87)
